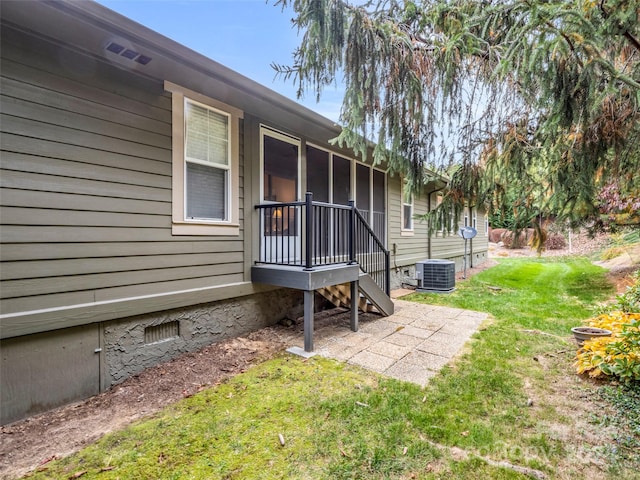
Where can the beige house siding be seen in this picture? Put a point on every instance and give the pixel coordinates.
(410, 246)
(86, 188)
(89, 261)
(407, 248)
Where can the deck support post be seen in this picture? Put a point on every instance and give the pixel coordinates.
(354, 306)
(308, 320)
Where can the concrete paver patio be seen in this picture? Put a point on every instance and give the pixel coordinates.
(412, 345)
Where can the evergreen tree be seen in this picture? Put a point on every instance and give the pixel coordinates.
(536, 97)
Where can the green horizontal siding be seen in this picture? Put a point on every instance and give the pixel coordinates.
(86, 189)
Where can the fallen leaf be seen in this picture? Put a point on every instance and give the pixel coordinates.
(281, 438)
(465, 433)
(405, 450)
(78, 474)
(47, 460)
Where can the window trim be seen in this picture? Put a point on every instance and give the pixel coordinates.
(226, 167)
(438, 203)
(406, 231)
(181, 225)
(266, 131)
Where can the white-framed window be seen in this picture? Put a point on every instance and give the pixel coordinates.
(407, 209)
(440, 229)
(474, 219)
(205, 164)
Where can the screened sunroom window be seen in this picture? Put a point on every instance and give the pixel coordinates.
(207, 163)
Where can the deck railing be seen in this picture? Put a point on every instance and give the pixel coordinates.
(312, 234)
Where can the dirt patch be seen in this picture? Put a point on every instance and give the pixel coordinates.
(582, 439)
(580, 244)
(622, 266)
(27, 444)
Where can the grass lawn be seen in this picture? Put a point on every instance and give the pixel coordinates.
(509, 408)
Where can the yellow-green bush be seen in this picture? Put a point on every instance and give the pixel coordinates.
(617, 355)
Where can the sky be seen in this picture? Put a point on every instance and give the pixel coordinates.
(244, 35)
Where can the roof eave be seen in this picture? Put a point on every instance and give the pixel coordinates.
(85, 25)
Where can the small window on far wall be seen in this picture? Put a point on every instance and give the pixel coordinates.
(407, 208)
(441, 218)
(205, 164)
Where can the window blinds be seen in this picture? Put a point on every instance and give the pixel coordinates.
(207, 162)
(207, 135)
(205, 192)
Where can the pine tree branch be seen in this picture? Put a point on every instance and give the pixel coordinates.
(632, 40)
(567, 39)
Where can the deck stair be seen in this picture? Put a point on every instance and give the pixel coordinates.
(375, 295)
(371, 297)
(340, 296)
(337, 253)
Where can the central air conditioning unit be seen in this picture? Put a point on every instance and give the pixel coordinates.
(436, 275)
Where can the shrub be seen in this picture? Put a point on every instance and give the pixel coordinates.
(555, 241)
(613, 321)
(511, 241)
(629, 301)
(617, 355)
(631, 297)
(611, 252)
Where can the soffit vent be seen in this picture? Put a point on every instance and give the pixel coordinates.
(127, 53)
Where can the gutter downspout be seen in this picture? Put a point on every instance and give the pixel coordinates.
(471, 240)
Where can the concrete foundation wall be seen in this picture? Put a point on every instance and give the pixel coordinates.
(127, 353)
